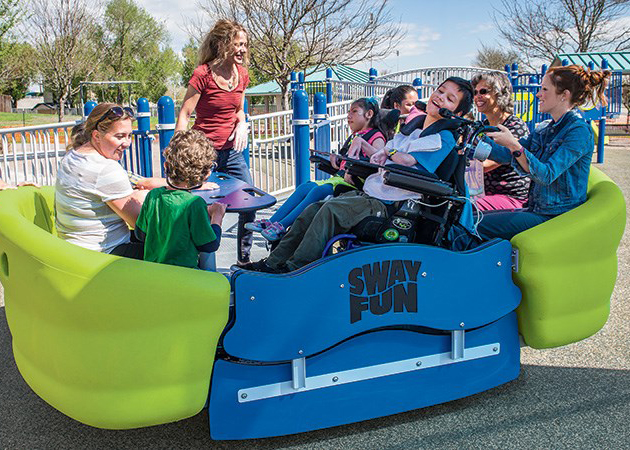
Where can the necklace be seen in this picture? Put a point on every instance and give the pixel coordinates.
(231, 82)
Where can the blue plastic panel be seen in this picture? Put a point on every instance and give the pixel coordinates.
(282, 317)
(353, 402)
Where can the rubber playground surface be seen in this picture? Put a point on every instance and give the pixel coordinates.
(575, 396)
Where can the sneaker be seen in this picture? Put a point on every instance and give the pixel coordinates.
(274, 232)
(258, 225)
(259, 266)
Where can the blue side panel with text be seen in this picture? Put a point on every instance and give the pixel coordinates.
(307, 311)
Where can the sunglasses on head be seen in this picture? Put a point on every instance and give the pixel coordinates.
(116, 112)
(483, 91)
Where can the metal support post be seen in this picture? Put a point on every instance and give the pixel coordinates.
(144, 126)
(166, 124)
(321, 133)
(301, 136)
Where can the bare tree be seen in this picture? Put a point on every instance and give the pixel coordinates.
(293, 35)
(542, 28)
(63, 34)
(495, 58)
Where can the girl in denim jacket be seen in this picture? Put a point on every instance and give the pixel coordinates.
(557, 155)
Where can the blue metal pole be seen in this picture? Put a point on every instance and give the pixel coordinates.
(329, 91)
(166, 124)
(417, 83)
(591, 65)
(373, 74)
(601, 138)
(246, 151)
(514, 74)
(322, 133)
(144, 127)
(301, 79)
(301, 137)
(565, 62)
(293, 81)
(88, 107)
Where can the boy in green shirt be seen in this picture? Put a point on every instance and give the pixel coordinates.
(175, 224)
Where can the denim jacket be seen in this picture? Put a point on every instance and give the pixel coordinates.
(559, 156)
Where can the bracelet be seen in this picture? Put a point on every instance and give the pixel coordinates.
(391, 153)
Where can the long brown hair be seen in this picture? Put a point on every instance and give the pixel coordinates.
(217, 44)
(584, 85)
(82, 133)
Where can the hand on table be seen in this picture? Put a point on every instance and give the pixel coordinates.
(209, 185)
(216, 211)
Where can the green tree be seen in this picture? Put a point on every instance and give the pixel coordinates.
(294, 35)
(495, 58)
(63, 34)
(138, 49)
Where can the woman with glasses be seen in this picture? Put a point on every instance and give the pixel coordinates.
(94, 202)
(216, 91)
(504, 187)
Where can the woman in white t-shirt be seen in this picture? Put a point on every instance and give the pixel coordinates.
(94, 202)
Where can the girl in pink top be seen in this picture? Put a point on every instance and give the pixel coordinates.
(364, 122)
(216, 91)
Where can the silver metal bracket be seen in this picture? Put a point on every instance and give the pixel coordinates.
(300, 383)
(457, 344)
(320, 116)
(165, 126)
(301, 122)
(143, 114)
(298, 370)
(515, 260)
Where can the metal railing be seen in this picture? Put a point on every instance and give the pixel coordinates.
(271, 157)
(33, 153)
(432, 75)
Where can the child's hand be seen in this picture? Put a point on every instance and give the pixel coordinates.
(149, 183)
(334, 161)
(216, 211)
(379, 157)
(355, 147)
(209, 185)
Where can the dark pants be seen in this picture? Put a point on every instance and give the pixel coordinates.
(133, 250)
(233, 163)
(318, 223)
(507, 224)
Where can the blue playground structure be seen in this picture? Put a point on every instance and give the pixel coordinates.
(372, 331)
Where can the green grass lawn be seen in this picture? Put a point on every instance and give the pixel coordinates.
(13, 120)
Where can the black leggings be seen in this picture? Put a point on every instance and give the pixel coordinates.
(133, 249)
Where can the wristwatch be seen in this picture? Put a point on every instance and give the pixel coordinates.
(391, 153)
(518, 152)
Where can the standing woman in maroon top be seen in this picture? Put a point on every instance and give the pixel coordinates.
(217, 92)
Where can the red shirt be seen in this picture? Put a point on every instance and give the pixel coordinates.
(216, 109)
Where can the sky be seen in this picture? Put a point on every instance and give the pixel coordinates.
(439, 33)
(430, 40)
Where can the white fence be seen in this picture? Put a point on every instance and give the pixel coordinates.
(33, 153)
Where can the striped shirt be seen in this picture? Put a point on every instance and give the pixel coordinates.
(85, 182)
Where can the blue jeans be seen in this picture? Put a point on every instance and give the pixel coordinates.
(233, 163)
(305, 194)
(507, 224)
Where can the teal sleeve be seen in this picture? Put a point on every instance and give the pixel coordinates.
(430, 161)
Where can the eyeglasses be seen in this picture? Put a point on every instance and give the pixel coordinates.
(116, 112)
(483, 91)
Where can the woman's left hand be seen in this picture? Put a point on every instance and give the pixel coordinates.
(505, 138)
(150, 183)
(239, 136)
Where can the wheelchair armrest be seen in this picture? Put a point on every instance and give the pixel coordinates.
(419, 184)
(360, 169)
(323, 164)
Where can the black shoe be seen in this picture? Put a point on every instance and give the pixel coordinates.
(258, 266)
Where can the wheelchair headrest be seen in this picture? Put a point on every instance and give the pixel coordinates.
(389, 117)
(440, 125)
